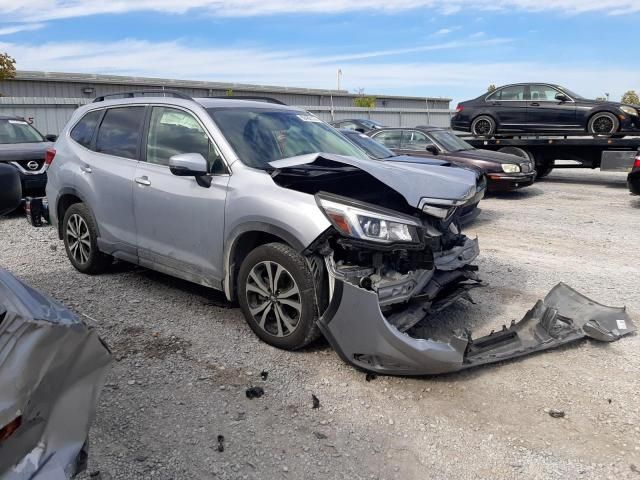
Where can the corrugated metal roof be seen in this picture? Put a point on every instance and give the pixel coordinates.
(168, 82)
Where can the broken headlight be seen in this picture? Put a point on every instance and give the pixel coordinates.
(367, 222)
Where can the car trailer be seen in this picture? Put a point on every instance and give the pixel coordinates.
(608, 154)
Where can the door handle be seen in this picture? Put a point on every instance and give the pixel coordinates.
(143, 181)
(534, 104)
(85, 169)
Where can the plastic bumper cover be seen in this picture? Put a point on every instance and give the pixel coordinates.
(359, 332)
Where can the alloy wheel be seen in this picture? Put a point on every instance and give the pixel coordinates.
(482, 127)
(78, 238)
(273, 298)
(603, 125)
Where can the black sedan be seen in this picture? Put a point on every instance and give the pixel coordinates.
(543, 108)
(377, 151)
(24, 147)
(633, 180)
(361, 125)
(504, 171)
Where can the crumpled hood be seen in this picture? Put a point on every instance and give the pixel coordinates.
(413, 181)
(52, 368)
(12, 152)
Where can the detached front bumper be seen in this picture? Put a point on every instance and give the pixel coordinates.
(362, 336)
(503, 182)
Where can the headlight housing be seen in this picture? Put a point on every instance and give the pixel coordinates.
(510, 168)
(629, 110)
(367, 222)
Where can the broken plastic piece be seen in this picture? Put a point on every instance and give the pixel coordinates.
(316, 401)
(356, 328)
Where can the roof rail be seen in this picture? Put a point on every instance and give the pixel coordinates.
(142, 93)
(252, 97)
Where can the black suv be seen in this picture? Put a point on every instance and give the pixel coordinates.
(25, 148)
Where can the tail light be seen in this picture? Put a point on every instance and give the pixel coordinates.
(49, 155)
(459, 108)
(636, 164)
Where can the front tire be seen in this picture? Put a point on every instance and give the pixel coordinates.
(483, 126)
(80, 237)
(603, 124)
(277, 296)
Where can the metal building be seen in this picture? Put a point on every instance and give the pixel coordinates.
(49, 98)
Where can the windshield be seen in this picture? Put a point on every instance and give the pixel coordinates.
(371, 124)
(571, 94)
(18, 131)
(449, 141)
(260, 136)
(374, 149)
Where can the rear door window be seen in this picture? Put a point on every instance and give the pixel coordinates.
(85, 128)
(119, 132)
(390, 138)
(507, 94)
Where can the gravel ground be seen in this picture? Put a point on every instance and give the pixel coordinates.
(184, 359)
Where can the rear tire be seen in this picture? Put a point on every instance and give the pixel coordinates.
(277, 296)
(80, 237)
(603, 124)
(483, 126)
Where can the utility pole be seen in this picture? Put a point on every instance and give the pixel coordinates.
(339, 77)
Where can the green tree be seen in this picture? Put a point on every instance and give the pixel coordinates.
(631, 97)
(491, 88)
(229, 93)
(364, 102)
(7, 67)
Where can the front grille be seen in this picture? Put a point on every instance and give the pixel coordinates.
(31, 165)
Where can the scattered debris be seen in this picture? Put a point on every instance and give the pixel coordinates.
(320, 435)
(141, 458)
(221, 443)
(254, 392)
(240, 416)
(370, 376)
(556, 413)
(316, 401)
(264, 374)
(95, 474)
(634, 468)
(609, 400)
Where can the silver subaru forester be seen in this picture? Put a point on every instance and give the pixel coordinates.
(276, 208)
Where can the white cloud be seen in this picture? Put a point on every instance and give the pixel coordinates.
(308, 69)
(25, 27)
(41, 10)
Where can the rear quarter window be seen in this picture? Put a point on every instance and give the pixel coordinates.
(85, 128)
(120, 131)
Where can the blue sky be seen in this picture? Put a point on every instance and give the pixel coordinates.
(415, 47)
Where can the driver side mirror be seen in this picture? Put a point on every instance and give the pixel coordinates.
(431, 148)
(561, 97)
(10, 189)
(51, 138)
(191, 165)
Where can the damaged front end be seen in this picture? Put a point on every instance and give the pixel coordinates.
(52, 369)
(394, 255)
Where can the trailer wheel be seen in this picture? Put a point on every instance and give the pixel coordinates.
(544, 169)
(603, 124)
(483, 126)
